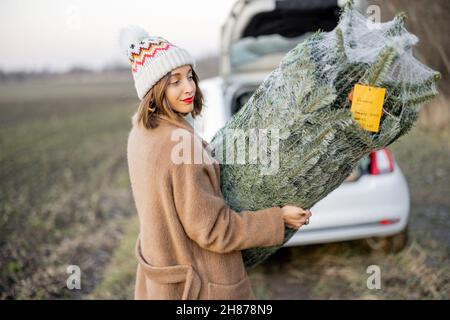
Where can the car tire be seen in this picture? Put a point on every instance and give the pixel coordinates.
(390, 244)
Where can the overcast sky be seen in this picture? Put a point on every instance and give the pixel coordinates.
(57, 34)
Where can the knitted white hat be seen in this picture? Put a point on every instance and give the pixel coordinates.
(151, 57)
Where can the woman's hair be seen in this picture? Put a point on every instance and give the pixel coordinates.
(155, 102)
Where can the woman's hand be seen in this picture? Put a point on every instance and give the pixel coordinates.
(294, 217)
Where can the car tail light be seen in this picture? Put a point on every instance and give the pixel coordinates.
(381, 162)
(388, 221)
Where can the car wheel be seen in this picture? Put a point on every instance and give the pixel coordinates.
(391, 244)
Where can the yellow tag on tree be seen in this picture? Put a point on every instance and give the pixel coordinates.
(367, 105)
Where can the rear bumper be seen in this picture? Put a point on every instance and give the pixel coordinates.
(342, 233)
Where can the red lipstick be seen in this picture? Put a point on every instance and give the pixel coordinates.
(188, 100)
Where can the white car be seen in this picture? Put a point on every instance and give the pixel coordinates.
(373, 203)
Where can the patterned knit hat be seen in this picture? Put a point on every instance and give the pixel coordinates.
(151, 57)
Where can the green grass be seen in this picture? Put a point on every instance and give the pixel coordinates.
(65, 195)
(120, 275)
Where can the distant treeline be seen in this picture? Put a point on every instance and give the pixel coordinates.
(20, 76)
(206, 67)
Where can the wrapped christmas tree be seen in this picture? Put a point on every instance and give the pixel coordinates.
(302, 121)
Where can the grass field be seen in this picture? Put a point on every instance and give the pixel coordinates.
(66, 200)
(65, 193)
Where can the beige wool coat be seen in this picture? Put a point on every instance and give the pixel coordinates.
(190, 240)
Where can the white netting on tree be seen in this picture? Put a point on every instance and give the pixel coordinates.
(306, 99)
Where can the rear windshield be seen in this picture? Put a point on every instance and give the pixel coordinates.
(250, 49)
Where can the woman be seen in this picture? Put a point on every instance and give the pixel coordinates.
(190, 240)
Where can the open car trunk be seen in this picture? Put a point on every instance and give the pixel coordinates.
(259, 33)
(292, 18)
